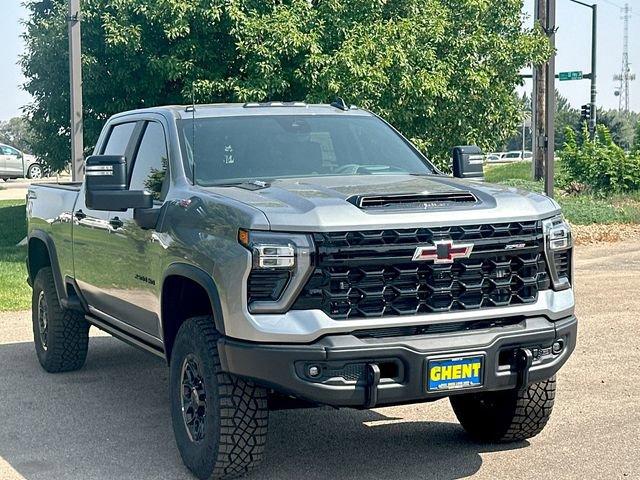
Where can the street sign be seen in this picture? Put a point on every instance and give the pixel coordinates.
(564, 76)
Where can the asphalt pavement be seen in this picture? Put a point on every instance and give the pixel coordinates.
(111, 420)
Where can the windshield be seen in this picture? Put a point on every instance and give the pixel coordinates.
(267, 147)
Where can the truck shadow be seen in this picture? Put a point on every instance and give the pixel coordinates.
(111, 420)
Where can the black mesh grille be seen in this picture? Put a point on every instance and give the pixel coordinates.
(371, 273)
(266, 285)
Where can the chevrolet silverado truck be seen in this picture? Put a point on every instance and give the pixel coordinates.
(294, 255)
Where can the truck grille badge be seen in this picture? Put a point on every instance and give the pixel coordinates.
(442, 251)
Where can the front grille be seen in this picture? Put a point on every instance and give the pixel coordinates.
(371, 273)
(451, 327)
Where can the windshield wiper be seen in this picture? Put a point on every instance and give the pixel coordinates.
(246, 184)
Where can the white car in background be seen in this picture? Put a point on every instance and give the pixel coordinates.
(16, 164)
(508, 157)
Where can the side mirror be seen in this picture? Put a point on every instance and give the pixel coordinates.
(468, 162)
(106, 185)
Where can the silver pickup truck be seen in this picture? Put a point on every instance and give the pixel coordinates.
(286, 254)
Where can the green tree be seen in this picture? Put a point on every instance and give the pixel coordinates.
(17, 133)
(621, 125)
(442, 71)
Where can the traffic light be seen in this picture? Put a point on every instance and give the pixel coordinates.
(585, 113)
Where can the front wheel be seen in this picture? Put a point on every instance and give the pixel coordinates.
(219, 420)
(506, 416)
(35, 171)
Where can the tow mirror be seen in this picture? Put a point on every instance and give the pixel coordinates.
(468, 162)
(106, 185)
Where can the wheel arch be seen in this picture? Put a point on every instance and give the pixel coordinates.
(187, 291)
(41, 252)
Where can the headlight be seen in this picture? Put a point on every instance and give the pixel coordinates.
(558, 251)
(280, 267)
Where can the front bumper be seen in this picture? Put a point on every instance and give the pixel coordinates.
(342, 361)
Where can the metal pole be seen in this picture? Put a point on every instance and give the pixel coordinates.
(550, 102)
(539, 106)
(594, 42)
(524, 119)
(75, 79)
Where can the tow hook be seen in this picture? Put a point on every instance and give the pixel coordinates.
(373, 380)
(524, 359)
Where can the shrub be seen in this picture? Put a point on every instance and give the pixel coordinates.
(600, 163)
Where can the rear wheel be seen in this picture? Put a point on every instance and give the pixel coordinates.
(506, 416)
(61, 335)
(219, 420)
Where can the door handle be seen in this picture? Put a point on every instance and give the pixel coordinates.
(80, 215)
(116, 223)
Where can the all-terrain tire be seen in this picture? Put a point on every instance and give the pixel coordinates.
(506, 416)
(235, 419)
(61, 336)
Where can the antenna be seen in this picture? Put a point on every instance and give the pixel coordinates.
(339, 103)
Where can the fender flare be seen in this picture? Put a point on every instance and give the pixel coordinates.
(45, 238)
(202, 278)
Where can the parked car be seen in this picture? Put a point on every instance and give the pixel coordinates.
(494, 157)
(506, 157)
(517, 156)
(16, 164)
(292, 255)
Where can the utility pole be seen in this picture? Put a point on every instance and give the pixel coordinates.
(594, 64)
(75, 80)
(550, 102)
(539, 101)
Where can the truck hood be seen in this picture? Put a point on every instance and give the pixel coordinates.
(320, 203)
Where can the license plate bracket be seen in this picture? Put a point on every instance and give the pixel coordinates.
(455, 372)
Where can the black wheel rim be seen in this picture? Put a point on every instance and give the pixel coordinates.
(43, 321)
(194, 398)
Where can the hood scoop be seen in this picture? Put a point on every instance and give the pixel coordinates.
(412, 200)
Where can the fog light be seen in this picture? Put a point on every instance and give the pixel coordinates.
(557, 346)
(314, 371)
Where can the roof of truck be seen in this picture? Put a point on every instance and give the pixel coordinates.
(250, 108)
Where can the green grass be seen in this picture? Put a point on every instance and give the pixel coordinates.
(15, 294)
(580, 209)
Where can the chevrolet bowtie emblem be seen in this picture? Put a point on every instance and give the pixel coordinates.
(443, 251)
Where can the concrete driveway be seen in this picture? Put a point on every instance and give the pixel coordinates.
(111, 420)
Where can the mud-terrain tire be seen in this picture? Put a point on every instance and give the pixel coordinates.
(219, 420)
(61, 336)
(506, 416)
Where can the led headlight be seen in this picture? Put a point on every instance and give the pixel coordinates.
(280, 267)
(557, 247)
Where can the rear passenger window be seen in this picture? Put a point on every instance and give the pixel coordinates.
(119, 139)
(150, 166)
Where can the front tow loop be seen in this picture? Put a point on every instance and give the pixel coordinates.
(373, 380)
(524, 360)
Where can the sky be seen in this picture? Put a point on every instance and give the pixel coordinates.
(572, 39)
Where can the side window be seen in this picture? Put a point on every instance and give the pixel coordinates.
(151, 163)
(5, 150)
(119, 139)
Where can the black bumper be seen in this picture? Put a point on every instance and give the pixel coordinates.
(345, 372)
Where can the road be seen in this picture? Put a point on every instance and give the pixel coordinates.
(111, 420)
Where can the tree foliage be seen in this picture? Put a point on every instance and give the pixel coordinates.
(17, 133)
(442, 71)
(600, 164)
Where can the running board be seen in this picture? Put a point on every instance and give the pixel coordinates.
(125, 337)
